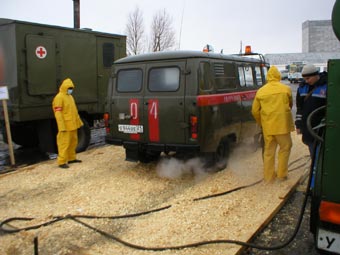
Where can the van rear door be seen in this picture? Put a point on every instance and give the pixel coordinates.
(164, 103)
(127, 103)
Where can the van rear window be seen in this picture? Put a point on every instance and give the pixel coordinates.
(129, 80)
(164, 79)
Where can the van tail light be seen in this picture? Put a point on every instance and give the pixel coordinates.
(330, 212)
(106, 118)
(193, 127)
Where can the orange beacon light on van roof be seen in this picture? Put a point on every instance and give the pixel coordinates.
(248, 49)
(208, 48)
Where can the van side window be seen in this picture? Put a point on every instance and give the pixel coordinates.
(108, 54)
(129, 80)
(265, 71)
(246, 76)
(241, 76)
(225, 76)
(258, 76)
(164, 79)
(205, 77)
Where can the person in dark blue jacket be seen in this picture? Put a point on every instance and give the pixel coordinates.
(310, 95)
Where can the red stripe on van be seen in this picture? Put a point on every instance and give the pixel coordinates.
(215, 99)
(134, 108)
(153, 116)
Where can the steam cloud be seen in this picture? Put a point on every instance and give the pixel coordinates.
(173, 168)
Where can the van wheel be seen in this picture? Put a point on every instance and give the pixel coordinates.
(84, 136)
(218, 160)
(221, 155)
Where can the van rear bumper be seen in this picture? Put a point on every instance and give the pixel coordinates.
(113, 141)
(153, 146)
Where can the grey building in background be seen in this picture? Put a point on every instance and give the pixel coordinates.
(319, 44)
(318, 36)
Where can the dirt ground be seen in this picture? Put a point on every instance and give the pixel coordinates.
(106, 185)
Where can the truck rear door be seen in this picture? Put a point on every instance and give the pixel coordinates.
(105, 56)
(41, 65)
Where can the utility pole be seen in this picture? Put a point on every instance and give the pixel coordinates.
(76, 13)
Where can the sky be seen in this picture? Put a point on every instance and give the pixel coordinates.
(269, 26)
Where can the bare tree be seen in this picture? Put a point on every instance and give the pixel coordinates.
(135, 33)
(162, 33)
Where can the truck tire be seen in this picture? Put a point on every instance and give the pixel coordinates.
(25, 136)
(84, 136)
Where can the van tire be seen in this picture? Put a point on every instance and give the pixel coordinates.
(221, 155)
(84, 136)
(218, 160)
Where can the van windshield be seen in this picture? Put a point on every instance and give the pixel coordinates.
(129, 80)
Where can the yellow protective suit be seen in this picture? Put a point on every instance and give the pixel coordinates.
(68, 121)
(272, 111)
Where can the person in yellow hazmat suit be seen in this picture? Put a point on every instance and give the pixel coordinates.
(68, 121)
(272, 111)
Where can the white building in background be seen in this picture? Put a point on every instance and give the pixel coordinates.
(319, 44)
(319, 59)
(318, 36)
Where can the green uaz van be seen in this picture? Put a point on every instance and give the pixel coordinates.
(188, 102)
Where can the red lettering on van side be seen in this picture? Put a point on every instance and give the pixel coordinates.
(153, 117)
(134, 106)
(225, 98)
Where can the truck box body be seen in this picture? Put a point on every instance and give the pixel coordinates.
(325, 169)
(37, 58)
(325, 212)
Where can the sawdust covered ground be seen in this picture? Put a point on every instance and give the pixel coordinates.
(106, 185)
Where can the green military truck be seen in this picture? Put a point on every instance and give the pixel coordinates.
(35, 59)
(325, 191)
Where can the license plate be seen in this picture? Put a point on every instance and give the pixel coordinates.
(130, 129)
(329, 241)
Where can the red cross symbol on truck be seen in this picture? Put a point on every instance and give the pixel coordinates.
(41, 52)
